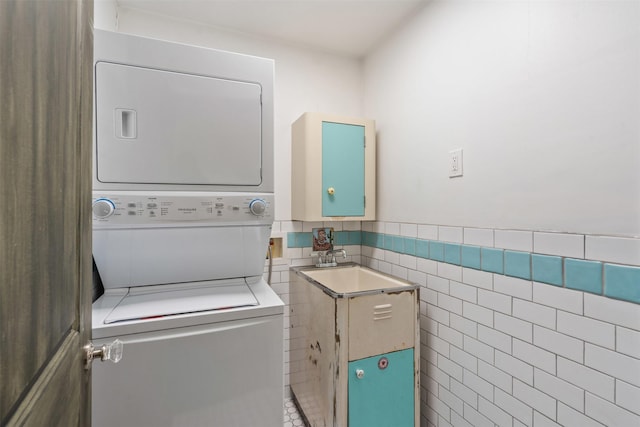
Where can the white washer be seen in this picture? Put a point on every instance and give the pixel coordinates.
(202, 331)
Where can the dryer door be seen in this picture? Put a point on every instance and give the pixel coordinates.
(161, 127)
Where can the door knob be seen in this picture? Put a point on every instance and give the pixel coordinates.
(112, 352)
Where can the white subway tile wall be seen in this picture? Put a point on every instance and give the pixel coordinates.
(571, 245)
(514, 240)
(409, 230)
(450, 234)
(500, 350)
(428, 232)
(478, 237)
(613, 249)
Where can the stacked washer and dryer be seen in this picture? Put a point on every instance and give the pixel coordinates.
(182, 212)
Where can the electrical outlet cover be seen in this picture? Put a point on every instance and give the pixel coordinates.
(455, 163)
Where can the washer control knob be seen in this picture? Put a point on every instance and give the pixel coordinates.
(258, 206)
(103, 208)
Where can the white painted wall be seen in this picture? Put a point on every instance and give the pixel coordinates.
(105, 14)
(304, 80)
(544, 98)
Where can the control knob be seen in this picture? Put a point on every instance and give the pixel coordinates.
(103, 208)
(257, 207)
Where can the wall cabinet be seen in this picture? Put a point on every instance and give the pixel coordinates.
(333, 168)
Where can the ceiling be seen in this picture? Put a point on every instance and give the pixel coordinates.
(345, 27)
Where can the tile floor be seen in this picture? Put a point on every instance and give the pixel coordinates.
(291, 416)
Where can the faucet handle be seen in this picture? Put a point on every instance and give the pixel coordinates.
(342, 251)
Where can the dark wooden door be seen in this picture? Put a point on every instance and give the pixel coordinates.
(46, 50)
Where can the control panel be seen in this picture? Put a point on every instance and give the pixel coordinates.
(140, 208)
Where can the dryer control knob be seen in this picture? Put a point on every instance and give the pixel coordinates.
(103, 208)
(257, 207)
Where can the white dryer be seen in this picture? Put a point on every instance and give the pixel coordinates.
(182, 214)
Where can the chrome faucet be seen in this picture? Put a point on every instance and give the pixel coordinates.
(328, 258)
(334, 252)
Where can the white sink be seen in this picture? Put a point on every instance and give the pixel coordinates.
(354, 279)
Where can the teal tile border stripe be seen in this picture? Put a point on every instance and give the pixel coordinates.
(517, 264)
(548, 269)
(610, 280)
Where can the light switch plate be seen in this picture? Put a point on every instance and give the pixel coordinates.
(455, 163)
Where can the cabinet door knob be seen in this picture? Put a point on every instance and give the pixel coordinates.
(331, 191)
(359, 373)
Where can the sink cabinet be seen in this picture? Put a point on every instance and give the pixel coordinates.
(333, 162)
(354, 356)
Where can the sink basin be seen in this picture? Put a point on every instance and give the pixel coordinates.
(353, 279)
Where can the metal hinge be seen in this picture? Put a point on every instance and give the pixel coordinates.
(364, 141)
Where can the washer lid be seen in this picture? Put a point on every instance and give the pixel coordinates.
(160, 301)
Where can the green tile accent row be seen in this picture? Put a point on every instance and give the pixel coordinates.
(452, 253)
(547, 269)
(492, 260)
(299, 240)
(422, 248)
(610, 280)
(622, 282)
(583, 275)
(436, 251)
(517, 264)
(471, 256)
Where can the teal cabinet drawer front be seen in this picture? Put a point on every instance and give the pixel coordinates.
(343, 169)
(382, 397)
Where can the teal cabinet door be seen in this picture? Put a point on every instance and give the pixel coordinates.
(342, 169)
(381, 392)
